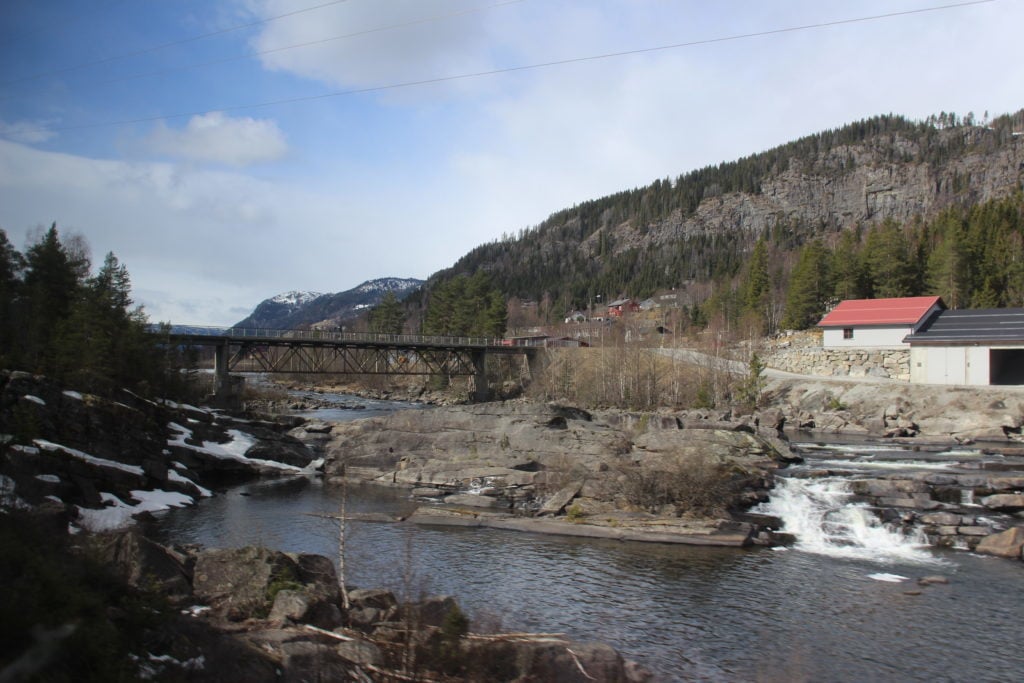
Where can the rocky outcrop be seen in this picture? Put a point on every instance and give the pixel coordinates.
(111, 458)
(850, 185)
(898, 409)
(580, 469)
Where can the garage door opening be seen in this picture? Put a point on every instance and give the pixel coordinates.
(1006, 366)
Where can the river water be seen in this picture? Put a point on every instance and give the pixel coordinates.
(841, 605)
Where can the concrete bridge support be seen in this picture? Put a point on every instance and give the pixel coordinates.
(481, 392)
(227, 390)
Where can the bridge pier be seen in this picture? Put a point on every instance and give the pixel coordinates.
(481, 392)
(226, 390)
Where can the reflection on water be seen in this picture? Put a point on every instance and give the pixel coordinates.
(689, 613)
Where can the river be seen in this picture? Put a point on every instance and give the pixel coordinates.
(841, 605)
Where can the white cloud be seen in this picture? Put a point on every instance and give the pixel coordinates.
(29, 132)
(203, 245)
(218, 138)
(361, 44)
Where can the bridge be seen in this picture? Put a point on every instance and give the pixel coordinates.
(249, 350)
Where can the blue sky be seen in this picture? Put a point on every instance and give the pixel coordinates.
(135, 122)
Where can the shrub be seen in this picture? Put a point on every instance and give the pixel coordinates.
(698, 487)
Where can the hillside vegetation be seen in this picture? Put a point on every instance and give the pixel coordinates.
(894, 207)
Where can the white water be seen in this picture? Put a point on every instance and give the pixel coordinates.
(818, 513)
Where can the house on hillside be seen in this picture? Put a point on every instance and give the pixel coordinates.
(620, 307)
(877, 323)
(973, 347)
(575, 317)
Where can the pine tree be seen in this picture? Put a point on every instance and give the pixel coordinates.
(948, 273)
(809, 288)
(757, 282)
(848, 273)
(50, 288)
(888, 261)
(11, 263)
(388, 317)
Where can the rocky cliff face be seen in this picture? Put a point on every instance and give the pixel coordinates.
(855, 184)
(697, 227)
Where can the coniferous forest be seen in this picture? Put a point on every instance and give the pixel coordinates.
(59, 319)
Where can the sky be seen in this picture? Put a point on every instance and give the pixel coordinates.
(230, 150)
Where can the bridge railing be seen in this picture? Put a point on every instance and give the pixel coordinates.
(342, 337)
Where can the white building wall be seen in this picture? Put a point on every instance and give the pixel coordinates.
(978, 365)
(867, 337)
(919, 364)
(962, 365)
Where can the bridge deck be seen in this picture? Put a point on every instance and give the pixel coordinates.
(218, 336)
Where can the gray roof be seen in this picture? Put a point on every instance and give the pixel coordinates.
(972, 326)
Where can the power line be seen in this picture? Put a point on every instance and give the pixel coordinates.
(182, 41)
(529, 67)
(321, 41)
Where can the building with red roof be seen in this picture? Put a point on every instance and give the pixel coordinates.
(877, 323)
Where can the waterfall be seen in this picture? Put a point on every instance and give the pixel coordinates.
(818, 513)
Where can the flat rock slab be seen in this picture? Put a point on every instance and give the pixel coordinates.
(557, 502)
(665, 533)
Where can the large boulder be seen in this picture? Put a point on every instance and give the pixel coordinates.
(1009, 543)
(244, 583)
(143, 563)
(1005, 502)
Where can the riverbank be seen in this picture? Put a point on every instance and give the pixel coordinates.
(247, 613)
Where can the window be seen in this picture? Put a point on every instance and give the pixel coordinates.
(847, 333)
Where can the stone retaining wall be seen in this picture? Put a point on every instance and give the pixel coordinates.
(890, 363)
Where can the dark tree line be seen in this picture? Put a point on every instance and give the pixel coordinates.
(58, 320)
(465, 306)
(973, 257)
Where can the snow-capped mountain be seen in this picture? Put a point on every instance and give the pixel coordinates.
(295, 299)
(296, 309)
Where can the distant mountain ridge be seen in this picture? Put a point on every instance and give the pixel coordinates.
(298, 309)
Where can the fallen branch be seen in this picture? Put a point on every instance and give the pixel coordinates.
(537, 637)
(329, 634)
(579, 665)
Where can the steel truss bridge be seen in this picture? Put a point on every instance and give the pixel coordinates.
(247, 350)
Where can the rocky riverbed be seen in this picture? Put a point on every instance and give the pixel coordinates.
(559, 469)
(612, 474)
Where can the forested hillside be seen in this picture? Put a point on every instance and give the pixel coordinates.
(881, 207)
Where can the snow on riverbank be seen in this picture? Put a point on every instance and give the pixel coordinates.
(117, 514)
(91, 459)
(235, 449)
